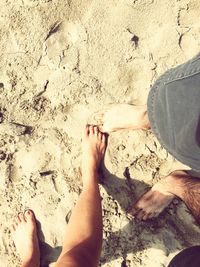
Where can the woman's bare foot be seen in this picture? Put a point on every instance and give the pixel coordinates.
(93, 149)
(125, 117)
(24, 232)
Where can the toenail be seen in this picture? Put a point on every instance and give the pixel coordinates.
(27, 212)
(130, 216)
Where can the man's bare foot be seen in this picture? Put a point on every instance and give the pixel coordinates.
(125, 117)
(152, 203)
(93, 149)
(24, 232)
(178, 183)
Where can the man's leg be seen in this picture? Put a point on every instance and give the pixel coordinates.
(125, 117)
(83, 234)
(24, 232)
(179, 184)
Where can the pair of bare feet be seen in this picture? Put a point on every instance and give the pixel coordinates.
(176, 184)
(24, 230)
(129, 117)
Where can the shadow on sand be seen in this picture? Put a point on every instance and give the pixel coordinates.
(136, 235)
(48, 254)
(130, 239)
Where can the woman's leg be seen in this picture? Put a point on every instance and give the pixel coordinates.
(83, 234)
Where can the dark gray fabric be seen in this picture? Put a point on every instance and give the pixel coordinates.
(189, 257)
(174, 112)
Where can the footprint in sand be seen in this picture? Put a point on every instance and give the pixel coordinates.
(189, 44)
(61, 45)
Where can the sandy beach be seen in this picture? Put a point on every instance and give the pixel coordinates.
(62, 62)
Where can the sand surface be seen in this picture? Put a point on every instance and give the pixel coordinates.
(60, 62)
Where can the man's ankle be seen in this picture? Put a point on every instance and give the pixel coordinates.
(145, 121)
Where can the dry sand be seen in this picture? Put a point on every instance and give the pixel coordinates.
(61, 61)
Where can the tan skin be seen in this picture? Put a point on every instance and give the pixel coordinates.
(83, 234)
(177, 183)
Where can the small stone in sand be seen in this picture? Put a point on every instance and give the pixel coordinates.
(1, 117)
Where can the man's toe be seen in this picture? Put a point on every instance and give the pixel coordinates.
(134, 210)
(140, 215)
(147, 216)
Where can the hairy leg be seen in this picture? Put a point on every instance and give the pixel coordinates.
(125, 117)
(24, 232)
(189, 192)
(179, 184)
(83, 234)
